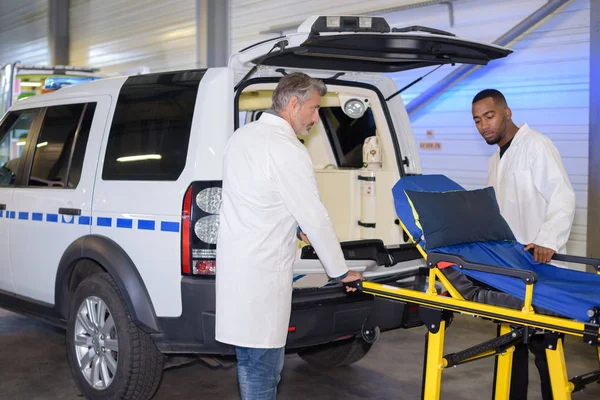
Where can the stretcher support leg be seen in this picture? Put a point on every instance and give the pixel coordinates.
(561, 387)
(435, 361)
(504, 368)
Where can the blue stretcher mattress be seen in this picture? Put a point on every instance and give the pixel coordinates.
(566, 292)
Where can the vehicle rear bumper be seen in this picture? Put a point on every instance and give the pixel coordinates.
(318, 316)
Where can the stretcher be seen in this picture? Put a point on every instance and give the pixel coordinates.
(553, 300)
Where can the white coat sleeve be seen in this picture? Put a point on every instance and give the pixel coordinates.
(552, 182)
(292, 171)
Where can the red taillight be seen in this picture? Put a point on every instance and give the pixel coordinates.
(185, 232)
(199, 228)
(205, 267)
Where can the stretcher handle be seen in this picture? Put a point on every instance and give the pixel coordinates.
(594, 262)
(434, 258)
(357, 284)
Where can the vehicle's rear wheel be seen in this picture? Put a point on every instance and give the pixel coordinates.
(109, 356)
(336, 354)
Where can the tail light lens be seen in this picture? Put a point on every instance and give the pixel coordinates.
(200, 228)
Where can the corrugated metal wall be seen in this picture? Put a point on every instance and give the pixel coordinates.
(121, 36)
(546, 82)
(24, 32)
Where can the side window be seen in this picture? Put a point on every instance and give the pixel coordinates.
(58, 157)
(347, 134)
(80, 146)
(14, 134)
(150, 131)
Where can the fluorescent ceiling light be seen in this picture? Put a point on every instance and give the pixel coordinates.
(21, 143)
(140, 157)
(31, 84)
(42, 144)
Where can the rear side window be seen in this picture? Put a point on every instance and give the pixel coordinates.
(58, 156)
(150, 131)
(347, 135)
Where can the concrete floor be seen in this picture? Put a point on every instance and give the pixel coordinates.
(33, 365)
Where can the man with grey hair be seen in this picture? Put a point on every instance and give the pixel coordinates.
(269, 188)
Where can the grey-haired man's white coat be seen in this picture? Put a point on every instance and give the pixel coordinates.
(269, 187)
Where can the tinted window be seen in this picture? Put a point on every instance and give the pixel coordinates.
(347, 135)
(14, 134)
(150, 131)
(61, 129)
(81, 145)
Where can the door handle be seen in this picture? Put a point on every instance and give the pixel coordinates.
(69, 211)
(2, 206)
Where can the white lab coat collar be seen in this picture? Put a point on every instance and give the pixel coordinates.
(523, 131)
(277, 121)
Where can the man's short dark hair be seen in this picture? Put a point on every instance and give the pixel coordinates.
(494, 94)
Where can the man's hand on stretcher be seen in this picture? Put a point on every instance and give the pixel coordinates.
(540, 254)
(352, 275)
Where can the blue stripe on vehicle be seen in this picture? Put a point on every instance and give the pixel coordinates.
(103, 221)
(124, 223)
(146, 224)
(167, 226)
(127, 223)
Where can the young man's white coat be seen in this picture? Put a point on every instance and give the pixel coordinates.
(533, 190)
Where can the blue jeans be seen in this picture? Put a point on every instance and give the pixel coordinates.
(259, 372)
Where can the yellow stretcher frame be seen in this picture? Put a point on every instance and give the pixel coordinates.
(507, 318)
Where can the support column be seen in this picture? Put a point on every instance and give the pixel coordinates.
(212, 33)
(58, 31)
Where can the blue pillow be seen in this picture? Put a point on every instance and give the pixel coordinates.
(458, 217)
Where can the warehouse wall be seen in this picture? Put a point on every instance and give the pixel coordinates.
(24, 32)
(133, 35)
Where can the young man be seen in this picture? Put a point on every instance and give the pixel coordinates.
(535, 198)
(269, 188)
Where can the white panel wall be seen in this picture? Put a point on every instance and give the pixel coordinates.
(546, 82)
(24, 32)
(123, 36)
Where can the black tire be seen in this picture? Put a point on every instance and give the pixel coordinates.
(336, 354)
(139, 363)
